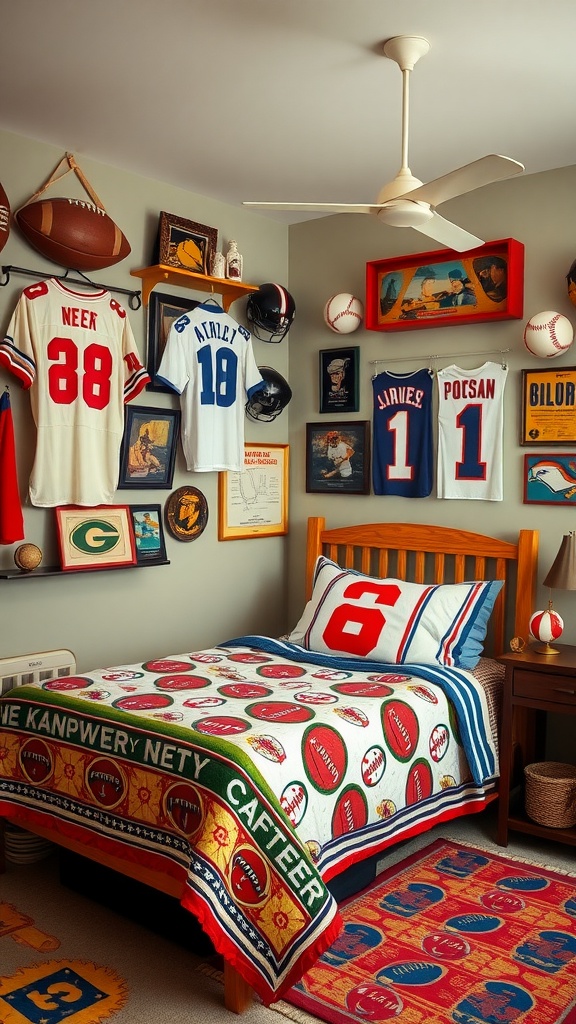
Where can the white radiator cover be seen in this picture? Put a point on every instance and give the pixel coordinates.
(34, 668)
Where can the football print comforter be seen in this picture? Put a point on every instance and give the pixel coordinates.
(252, 773)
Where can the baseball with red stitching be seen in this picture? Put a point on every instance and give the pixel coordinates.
(548, 334)
(343, 313)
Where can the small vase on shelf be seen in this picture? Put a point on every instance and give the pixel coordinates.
(234, 262)
(218, 268)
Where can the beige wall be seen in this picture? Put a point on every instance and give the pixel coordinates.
(330, 255)
(211, 591)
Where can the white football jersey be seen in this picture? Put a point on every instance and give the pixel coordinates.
(209, 361)
(470, 429)
(76, 352)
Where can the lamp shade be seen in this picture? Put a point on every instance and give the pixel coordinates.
(562, 573)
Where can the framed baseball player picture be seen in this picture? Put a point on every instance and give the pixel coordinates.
(339, 380)
(148, 451)
(338, 457)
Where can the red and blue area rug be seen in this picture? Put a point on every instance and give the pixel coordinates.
(452, 934)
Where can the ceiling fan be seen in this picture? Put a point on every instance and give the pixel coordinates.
(406, 201)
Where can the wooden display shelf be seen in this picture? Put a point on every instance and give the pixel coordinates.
(161, 273)
(54, 570)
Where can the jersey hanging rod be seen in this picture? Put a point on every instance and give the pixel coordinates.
(135, 297)
(442, 355)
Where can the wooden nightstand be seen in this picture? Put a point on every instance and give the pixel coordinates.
(535, 685)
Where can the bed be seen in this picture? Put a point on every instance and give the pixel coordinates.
(245, 779)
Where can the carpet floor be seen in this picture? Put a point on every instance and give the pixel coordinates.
(451, 933)
(151, 979)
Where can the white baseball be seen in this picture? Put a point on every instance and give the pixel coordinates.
(343, 313)
(548, 334)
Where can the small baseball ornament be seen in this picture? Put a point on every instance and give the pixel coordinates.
(343, 313)
(27, 557)
(548, 334)
(546, 626)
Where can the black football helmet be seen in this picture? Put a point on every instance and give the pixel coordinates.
(267, 403)
(270, 311)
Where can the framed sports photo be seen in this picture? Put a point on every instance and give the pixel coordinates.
(338, 457)
(148, 534)
(148, 451)
(186, 244)
(95, 538)
(443, 288)
(339, 379)
(163, 310)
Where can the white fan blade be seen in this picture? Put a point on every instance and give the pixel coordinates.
(449, 234)
(465, 179)
(321, 207)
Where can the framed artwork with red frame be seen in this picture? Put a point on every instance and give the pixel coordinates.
(444, 287)
(101, 537)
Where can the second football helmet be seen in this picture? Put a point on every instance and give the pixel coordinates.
(270, 311)
(267, 403)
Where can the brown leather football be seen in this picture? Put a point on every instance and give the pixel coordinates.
(4, 218)
(73, 232)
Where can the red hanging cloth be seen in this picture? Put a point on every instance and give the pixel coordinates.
(11, 520)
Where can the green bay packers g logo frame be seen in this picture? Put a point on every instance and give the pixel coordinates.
(99, 537)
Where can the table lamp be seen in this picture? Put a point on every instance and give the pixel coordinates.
(547, 625)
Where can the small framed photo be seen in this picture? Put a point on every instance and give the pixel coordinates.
(148, 534)
(186, 244)
(95, 538)
(254, 503)
(148, 451)
(548, 406)
(338, 457)
(443, 288)
(550, 479)
(339, 380)
(163, 310)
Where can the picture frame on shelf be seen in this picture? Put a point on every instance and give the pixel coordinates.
(548, 406)
(185, 244)
(100, 537)
(163, 310)
(148, 450)
(550, 479)
(444, 288)
(338, 457)
(339, 384)
(254, 503)
(148, 534)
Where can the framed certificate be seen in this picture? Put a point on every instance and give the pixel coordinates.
(548, 406)
(254, 503)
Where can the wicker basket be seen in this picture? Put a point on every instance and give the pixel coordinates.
(551, 793)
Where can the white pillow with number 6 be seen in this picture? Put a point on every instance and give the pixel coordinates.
(393, 621)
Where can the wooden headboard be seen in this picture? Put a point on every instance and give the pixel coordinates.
(437, 554)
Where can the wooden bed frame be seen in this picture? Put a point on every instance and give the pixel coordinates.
(420, 553)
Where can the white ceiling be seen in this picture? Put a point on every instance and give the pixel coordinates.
(289, 99)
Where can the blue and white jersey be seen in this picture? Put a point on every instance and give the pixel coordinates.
(402, 434)
(209, 361)
(470, 430)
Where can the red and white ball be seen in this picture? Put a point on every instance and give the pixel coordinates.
(546, 626)
(343, 313)
(548, 334)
